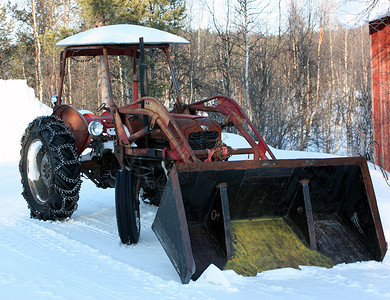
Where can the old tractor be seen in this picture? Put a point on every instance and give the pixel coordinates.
(249, 216)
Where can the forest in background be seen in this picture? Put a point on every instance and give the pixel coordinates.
(304, 81)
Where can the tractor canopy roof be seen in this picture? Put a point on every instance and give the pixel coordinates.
(123, 34)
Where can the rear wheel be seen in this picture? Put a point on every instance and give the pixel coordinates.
(127, 207)
(50, 169)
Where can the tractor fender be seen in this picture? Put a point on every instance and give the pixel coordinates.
(77, 124)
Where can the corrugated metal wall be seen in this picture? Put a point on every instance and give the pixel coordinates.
(380, 55)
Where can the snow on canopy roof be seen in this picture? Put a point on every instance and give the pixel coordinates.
(355, 13)
(121, 34)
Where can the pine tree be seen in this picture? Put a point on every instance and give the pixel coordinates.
(166, 15)
(5, 42)
(161, 14)
(107, 12)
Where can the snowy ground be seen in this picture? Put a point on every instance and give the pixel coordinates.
(82, 258)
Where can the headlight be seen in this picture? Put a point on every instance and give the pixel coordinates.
(95, 128)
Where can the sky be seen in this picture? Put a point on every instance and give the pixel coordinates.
(355, 13)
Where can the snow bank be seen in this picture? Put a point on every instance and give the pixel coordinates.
(236, 141)
(21, 107)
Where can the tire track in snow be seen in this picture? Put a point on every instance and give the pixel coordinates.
(101, 234)
(54, 257)
(37, 246)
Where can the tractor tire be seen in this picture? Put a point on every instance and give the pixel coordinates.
(50, 169)
(127, 207)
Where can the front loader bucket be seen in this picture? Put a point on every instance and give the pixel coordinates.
(252, 216)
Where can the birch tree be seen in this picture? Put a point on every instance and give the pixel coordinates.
(38, 50)
(248, 23)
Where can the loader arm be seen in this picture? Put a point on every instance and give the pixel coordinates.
(233, 112)
(159, 115)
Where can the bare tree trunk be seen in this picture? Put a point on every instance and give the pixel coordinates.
(346, 99)
(121, 81)
(66, 4)
(246, 33)
(366, 137)
(103, 81)
(317, 99)
(332, 94)
(103, 76)
(227, 52)
(70, 98)
(38, 54)
(53, 76)
(280, 19)
(126, 82)
(84, 87)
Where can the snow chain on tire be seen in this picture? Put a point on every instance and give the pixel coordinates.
(63, 183)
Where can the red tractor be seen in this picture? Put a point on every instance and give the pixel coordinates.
(208, 206)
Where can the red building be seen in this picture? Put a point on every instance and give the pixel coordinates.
(380, 78)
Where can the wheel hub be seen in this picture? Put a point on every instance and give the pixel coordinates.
(46, 171)
(39, 172)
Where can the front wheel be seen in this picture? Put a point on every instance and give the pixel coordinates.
(127, 207)
(50, 169)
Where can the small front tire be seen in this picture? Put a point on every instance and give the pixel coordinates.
(127, 207)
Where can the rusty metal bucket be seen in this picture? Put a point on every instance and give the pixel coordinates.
(252, 216)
